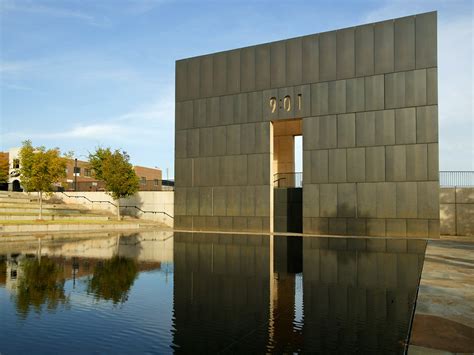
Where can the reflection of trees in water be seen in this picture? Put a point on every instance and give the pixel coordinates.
(3, 271)
(41, 282)
(113, 279)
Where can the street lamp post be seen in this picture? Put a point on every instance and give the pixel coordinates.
(75, 174)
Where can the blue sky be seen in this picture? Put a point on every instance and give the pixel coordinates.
(79, 74)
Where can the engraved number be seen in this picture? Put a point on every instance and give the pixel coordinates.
(273, 104)
(287, 103)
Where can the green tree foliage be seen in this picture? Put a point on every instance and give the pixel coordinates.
(113, 279)
(114, 168)
(4, 170)
(40, 169)
(41, 283)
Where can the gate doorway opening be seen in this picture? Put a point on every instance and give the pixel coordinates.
(287, 181)
(16, 186)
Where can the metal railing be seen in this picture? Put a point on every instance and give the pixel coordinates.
(113, 204)
(456, 178)
(97, 185)
(446, 179)
(288, 179)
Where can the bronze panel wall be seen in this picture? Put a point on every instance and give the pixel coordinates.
(368, 99)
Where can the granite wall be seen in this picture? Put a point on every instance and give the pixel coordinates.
(457, 211)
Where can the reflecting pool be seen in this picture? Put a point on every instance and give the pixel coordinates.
(158, 292)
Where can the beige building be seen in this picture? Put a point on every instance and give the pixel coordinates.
(363, 98)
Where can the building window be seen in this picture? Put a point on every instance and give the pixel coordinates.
(87, 172)
(143, 180)
(16, 163)
(67, 171)
(77, 171)
(156, 182)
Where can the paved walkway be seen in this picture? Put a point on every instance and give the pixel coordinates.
(444, 316)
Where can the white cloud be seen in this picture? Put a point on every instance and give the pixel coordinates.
(93, 131)
(14, 66)
(160, 112)
(16, 86)
(87, 132)
(395, 8)
(109, 74)
(52, 11)
(143, 6)
(153, 120)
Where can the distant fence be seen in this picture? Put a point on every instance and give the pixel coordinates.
(97, 185)
(446, 179)
(456, 178)
(288, 180)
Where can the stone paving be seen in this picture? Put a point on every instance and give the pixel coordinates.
(444, 316)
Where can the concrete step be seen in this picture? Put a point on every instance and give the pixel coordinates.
(53, 217)
(32, 209)
(35, 204)
(35, 200)
(18, 200)
(55, 212)
(18, 195)
(63, 227)
(20, 204)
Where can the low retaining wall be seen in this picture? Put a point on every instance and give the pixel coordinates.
(457, 211)
(158, 201)
(456, 207)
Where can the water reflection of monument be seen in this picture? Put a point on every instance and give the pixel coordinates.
(285, 330)
(238, 293)
(221, 288)
(359, 293)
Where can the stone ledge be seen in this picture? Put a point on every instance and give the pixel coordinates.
(24, 228)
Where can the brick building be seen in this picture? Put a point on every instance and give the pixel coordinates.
(80, 173)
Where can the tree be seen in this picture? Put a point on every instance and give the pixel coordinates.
(40, 169)
(41, 283)
(113, 279)
(4, 167)
(114, 168)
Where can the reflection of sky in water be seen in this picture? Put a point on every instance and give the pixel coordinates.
(298, 299)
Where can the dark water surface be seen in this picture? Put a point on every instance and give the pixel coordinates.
(158, 293)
